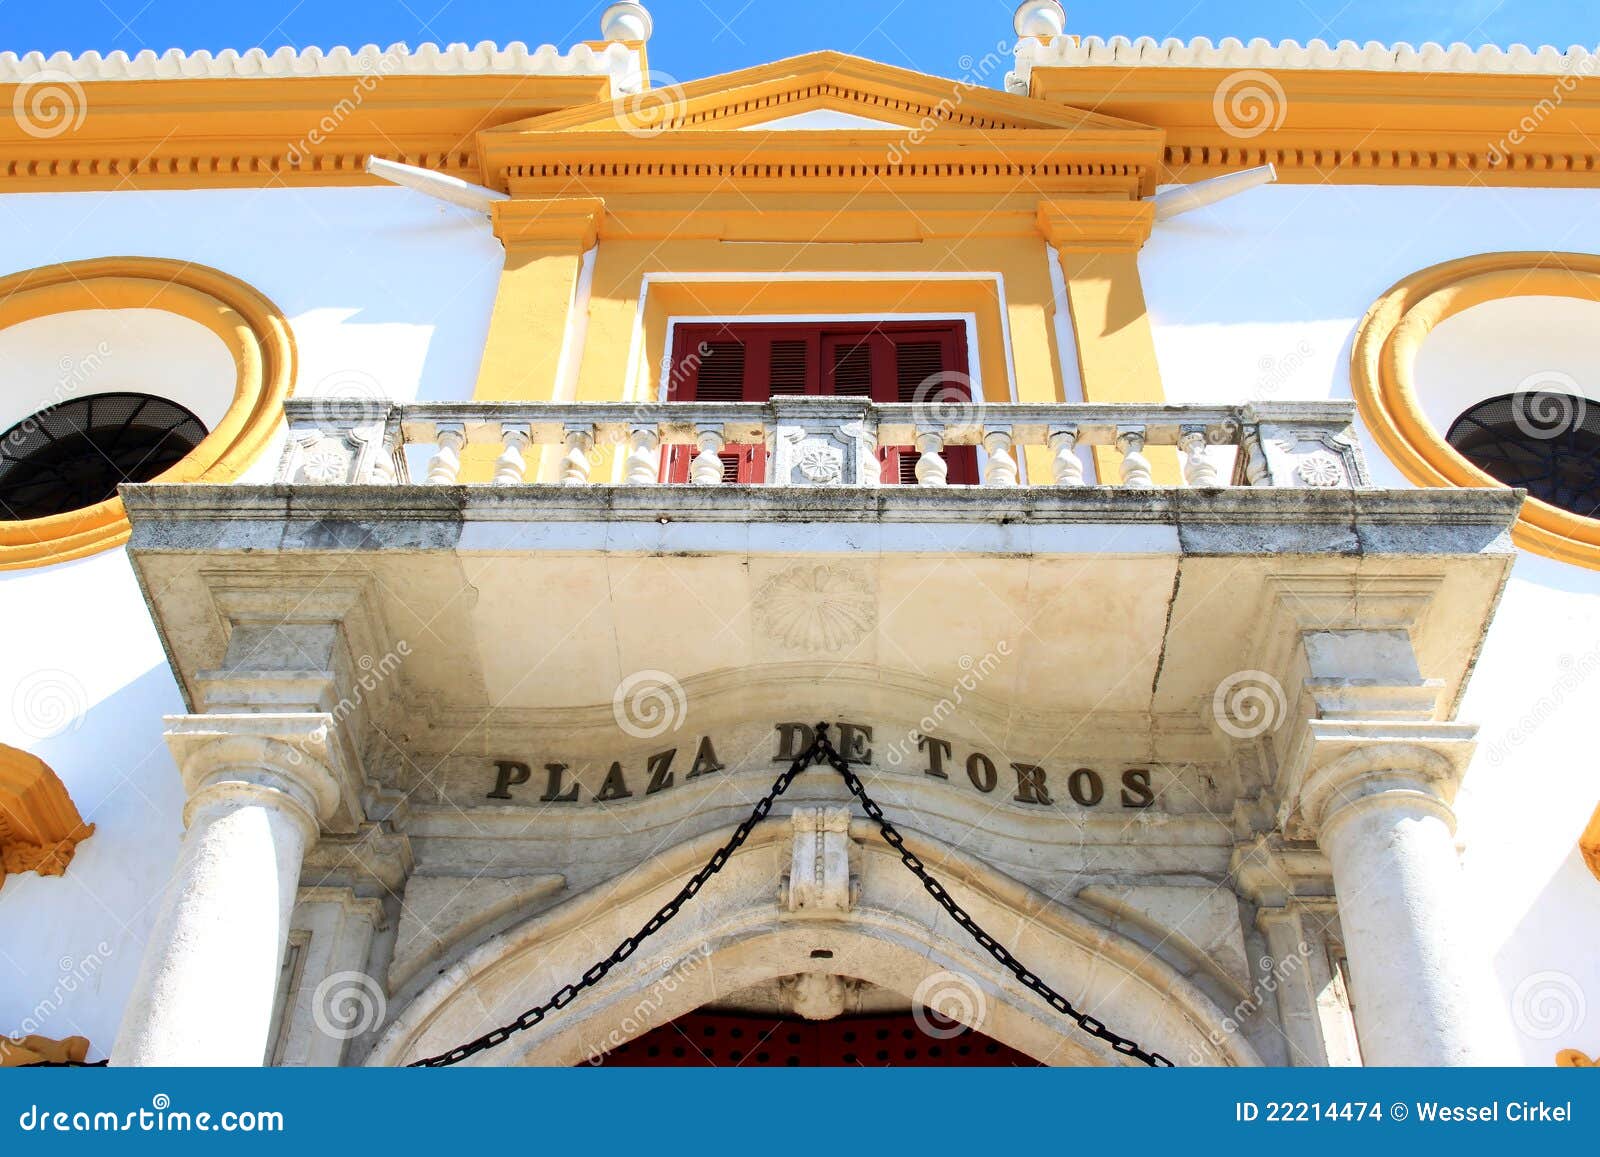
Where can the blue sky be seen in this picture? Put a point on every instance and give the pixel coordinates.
(697, 38)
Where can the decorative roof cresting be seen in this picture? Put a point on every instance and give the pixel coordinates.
(515, 59)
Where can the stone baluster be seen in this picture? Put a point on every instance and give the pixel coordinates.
(706, 469)
(575, 463)
(446, 463)
(1066, 468)
(512, 467)
(1135, 466)
(1001, 468)
(1198, 469)
(1256, 471)
(931, 469)
(644, 456)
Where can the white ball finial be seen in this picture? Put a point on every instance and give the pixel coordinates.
(625, 21)
(1039, 18)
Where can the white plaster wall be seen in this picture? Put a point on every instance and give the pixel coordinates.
(387, 293)
(1258, 298)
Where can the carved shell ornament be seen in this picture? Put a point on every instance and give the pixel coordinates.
(819, 463)
(1320, 470)
(816, 608)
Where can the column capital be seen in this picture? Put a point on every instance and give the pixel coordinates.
(1096, 224)
(1336, 766)
(561, 224)
(293, 761)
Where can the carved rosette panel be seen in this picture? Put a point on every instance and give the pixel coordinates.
(825, 454)
(338, 445)
(1307, 458)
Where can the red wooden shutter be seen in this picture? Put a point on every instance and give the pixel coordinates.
(887, 362)
(930, 369)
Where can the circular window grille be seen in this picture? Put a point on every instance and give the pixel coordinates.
(1547, 443)
(78, 453)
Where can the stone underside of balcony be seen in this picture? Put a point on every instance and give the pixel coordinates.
(534, 602)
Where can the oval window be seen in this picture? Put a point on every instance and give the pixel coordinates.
(76, 454)
(1546, 443)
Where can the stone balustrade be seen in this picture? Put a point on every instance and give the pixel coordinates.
(816, 441)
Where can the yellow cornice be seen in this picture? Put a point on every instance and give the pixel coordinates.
(1383, 368)
(1352, 127)
(252, 132)
(849, 83)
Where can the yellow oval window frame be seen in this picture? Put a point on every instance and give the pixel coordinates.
(253, 329)
(1383, 367)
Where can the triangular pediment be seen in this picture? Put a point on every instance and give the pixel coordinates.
(821, 118)
(868, 95)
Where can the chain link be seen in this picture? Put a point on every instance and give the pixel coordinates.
(820, 751)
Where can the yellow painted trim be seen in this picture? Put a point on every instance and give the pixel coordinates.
(1589, 843)
(33, 1049)
(253, 329)
(1383, 365)
(1098, 243)
(253, 132)
(40, 827)
(1353, 127)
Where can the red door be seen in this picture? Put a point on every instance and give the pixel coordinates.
(729, 1040)
(923, 362)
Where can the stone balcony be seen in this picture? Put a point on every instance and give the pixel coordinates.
(814, 442)
(1108, 613)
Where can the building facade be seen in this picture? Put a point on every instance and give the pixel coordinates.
(1137, 501)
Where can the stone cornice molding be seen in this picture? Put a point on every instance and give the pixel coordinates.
(286, 759)
(1272, 872)
(40, 827)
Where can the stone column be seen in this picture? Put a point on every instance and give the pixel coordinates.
(1377, 796)
(260, 787)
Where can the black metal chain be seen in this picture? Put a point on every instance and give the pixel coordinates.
(820, 751)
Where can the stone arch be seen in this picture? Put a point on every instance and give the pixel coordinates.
(733, 935)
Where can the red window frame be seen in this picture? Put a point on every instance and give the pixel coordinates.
(887, 361)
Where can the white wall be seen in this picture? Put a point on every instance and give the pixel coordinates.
(388, 293)
(1259, 298)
